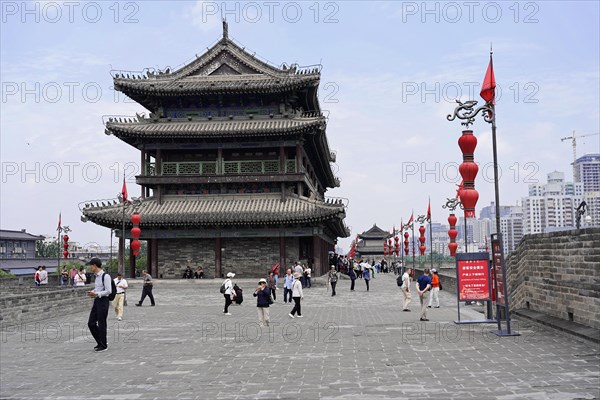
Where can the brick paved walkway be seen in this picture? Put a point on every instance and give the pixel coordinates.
(356, 345)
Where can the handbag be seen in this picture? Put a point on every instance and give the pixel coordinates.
(440, 285)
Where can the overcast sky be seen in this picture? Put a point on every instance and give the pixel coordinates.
(391, 72)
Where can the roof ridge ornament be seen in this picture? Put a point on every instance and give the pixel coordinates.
(225, 29)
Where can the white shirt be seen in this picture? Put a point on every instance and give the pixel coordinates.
(297, 289)
(228, 286)
(80, 279)
(121, 285)
(43, 277)
(308, 271)
(405, 281)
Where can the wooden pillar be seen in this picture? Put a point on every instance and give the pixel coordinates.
(154, 262)
(158, 166)
(121, 266)
(131, 259)
(282, 266)
(281, 159)
(218, 271)
(219, 161)
(143, 167)
(317, 264)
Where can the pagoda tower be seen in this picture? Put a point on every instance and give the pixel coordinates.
(235, 164)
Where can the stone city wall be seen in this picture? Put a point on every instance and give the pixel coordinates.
(558, 274)
(247, 257)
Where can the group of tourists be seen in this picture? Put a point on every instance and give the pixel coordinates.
(428, 288)
(73, 277)
(266, 292)
(197, 274)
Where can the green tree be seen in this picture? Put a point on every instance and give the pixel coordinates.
(46, 249)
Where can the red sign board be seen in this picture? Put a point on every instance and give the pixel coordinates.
(497, 257)
(473, 279)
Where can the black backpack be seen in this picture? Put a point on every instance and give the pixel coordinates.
(113, 293)
(222, 289)
(399, 280)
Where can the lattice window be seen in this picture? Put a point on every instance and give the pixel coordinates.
(251, 167)
(290, 166)
(231, 167)
(169, 168)
(272, 166)
(209, 168)
(189, 168)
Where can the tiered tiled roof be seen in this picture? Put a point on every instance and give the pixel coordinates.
(202, 128)
(207, 211)
(225, 68)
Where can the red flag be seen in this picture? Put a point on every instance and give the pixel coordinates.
(410, 219)
(488, 87)
(59, 221)
(429, 211)
(124, 191)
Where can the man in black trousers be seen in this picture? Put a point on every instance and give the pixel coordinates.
(146, 289)
(102, 289)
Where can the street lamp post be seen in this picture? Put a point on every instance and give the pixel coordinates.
(135, 202)
(60, 229)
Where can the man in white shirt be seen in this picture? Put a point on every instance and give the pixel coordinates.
(406, 289)
(102, 289)
(43, 276)
(119, 301)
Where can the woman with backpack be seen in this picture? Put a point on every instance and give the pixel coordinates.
(227, 290)
(80, 278)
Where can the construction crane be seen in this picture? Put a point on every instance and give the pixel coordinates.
(574, 138)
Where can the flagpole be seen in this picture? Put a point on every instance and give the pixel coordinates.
(413, 239)
(430, 244)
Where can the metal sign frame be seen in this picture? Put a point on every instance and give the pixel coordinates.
(484, 258)
(502, 300)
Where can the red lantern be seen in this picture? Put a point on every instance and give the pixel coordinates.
(406, 235)
(452, 220)
(422, 230)
(468, 170)
(66, 254)
(452, 246)
(135, 246)
(136, 219)
(136, 232)
(422, 250)
(406, 250)
(422, 239)
(452, 232)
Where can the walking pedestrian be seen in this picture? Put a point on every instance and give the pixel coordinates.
(146, 289)
(263, 300)
(352, 276)
(366, 273)
(119, 301)
(228, 285)
(272, 285)
(287, 286)
(275, 269)
(307, 274)
(406, 289)
(423, 285)
(99, 312)
(435, 289)
(332, 279)
(297, 296)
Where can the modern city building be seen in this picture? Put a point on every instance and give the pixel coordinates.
(551, 206)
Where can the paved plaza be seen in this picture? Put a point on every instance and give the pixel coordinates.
(357, 345)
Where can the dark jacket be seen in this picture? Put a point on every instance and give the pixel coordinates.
(352, 274)
(263, 297)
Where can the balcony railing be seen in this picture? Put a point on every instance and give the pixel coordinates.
(228, 167)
